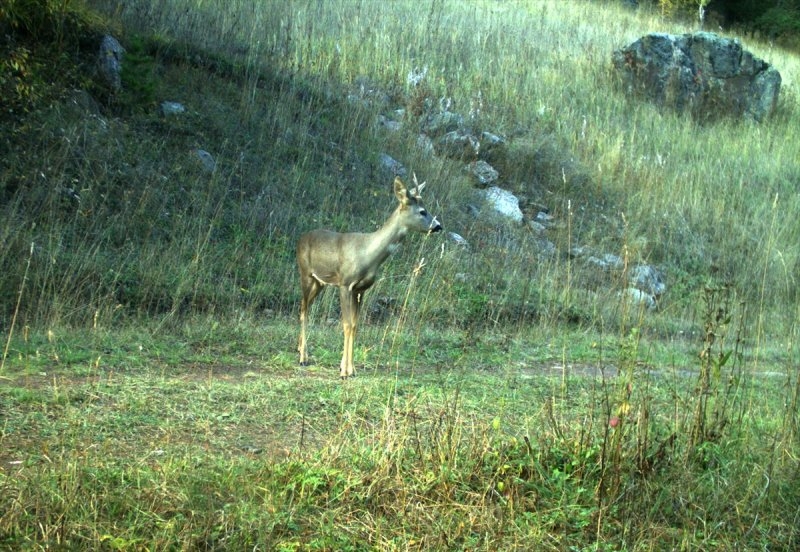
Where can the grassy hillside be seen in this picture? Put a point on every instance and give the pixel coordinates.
(509, 399)
(267, 94)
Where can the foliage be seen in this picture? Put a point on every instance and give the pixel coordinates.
(138, 76)
(32, 17)
(671, 7)
(40, 59)
(720, 376)
(15, 78)
(776, 20)
(747, 12)
(62, 22)
(780, 22)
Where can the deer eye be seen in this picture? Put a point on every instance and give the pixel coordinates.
(423, 213)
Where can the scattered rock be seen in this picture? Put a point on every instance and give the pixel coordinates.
(493, 148)
(458, 239)
(703, 73)
(643, 278)
(609, 261)
(546, 248)
(392, 165)
(649, 280)
(483, 172)
(389, 124)
(457, 145)
(503, 202)
(367, 94)
(426, 145)
(579, 251)
(545, 219)
(206, 160)
(537, 227)
(443, 133)
(440, 123)
(172, 108)
(639, 297)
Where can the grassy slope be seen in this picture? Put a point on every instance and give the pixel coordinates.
(190, 426)
(706, 203)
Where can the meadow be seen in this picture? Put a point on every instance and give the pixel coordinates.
(150, 395)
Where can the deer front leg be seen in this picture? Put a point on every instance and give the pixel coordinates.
(350, 303)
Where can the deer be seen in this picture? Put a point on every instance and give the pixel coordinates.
(350, 261)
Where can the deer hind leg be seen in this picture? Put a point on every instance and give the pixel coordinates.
(351, 301)
(310, 288)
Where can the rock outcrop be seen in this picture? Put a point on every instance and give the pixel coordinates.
(110, 62)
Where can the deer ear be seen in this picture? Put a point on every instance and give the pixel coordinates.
(400, 190)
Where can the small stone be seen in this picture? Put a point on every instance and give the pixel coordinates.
(172, 108)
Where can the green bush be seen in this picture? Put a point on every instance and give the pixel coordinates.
(138, 76)
(781, 23)
(58, 21)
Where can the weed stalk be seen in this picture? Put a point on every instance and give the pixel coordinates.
(16, 309)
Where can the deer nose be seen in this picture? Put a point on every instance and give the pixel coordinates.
(435, 226)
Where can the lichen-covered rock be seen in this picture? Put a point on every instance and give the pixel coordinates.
(702, 73)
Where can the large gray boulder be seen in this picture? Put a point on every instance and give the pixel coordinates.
(703, 73)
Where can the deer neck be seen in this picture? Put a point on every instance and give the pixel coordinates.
(385, 241)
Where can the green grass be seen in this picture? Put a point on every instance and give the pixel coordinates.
(441, 442)
(150, 397)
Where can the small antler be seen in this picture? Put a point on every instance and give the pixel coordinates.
(416, 191)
